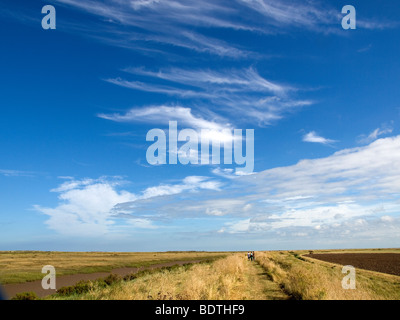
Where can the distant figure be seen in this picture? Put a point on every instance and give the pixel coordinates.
(251, 256)
(254, 256)
(248, 255)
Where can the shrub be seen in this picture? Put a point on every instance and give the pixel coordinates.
(112, 278)
(130, 277)
(25, 296)
(78, 288)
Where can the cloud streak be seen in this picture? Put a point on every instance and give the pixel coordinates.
(374, 135)
(16, 173)
(161, 115)
(240, 93)
(313, 137)
(154, 25)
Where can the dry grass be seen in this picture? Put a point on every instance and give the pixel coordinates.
(313, 280)
(21, 266)
(232, 278)
(226, 279)
(218, 280)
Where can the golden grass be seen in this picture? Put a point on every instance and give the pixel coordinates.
(230, 278)
(215, 281)
(308, 279)
(21, 266)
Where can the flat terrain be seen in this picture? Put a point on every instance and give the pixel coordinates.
(380, 262)
(69, 280)
(22, 266)
(275, 275)
(230, 278)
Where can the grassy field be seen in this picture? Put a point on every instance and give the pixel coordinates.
(21, 266)
(230, 278)
(304, 278)
(275, 275)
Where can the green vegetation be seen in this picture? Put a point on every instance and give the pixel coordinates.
(230, 278)
(25, 296)
(22, 266)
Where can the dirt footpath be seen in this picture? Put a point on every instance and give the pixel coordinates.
(69, 280)
(257, 286)
(381, 262)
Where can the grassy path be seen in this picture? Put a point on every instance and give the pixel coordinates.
(257, 286)
(230, 278)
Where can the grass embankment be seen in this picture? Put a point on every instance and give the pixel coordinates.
(230, 278)
(22, 266)
(309, 279)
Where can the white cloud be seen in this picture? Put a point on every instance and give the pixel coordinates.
(89, 207)
(176, 21)
(227, 80)
(16, 173)
(242, 94)
(164, 114)
(315, 138)
(141, 223)
(387, 219)
(311, 15)
(85, 207)
(341, 196)
(288, 13)
(191, 183)
(375, 134)
(214, 212)
(345, 191)
(140, 4)
(212, 130)
(226, 173)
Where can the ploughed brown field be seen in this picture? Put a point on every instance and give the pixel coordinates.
(380, 262)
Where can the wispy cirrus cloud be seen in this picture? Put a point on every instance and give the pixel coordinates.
(239, 93)
(288, 13)
(159, 27)
(311, 15)
(161, 115)
(184, 23)
(16, 173)
(226, 80)
(175, 24)
(375, 134)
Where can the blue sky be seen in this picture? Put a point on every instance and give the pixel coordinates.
(78, 101)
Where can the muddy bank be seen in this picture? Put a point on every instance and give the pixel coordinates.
(11, 290)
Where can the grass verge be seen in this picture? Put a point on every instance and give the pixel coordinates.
(307, 279)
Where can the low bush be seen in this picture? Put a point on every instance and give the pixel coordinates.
(78, 288)
(25, 296)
